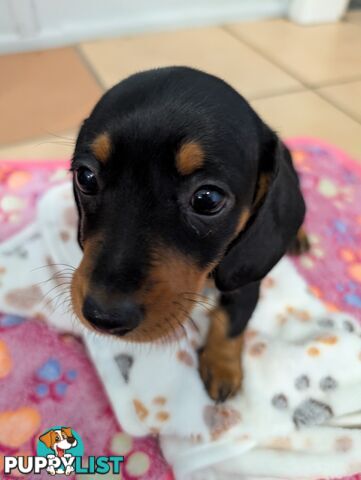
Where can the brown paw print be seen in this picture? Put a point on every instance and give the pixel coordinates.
(219, 419)
(222, 375)
(155, 414)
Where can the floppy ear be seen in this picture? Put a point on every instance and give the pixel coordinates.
(67, 431)
(48, 439)
(278, 212)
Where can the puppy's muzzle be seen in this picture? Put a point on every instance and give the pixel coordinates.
(117, 319)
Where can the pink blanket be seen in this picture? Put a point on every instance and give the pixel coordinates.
(46, 379)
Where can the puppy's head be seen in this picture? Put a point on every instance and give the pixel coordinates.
(62, 439)
(175, 177)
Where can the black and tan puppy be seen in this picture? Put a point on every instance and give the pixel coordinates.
(177, 179)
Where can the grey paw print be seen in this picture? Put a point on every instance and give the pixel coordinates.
(302, 383)
(124, 363)
(280, 401)
(327, 384)
(311, 412)
(326, 323)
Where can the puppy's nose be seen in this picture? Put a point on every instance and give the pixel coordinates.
(117, 319)
(71, 440)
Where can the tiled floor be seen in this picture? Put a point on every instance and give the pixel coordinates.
(304, 81)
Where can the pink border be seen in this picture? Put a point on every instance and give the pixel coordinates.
(346, 159)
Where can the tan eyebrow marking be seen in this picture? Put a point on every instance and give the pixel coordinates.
(189, 158)
(102, 147)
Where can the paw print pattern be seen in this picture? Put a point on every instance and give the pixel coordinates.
(327, 384)
(6, 362)
(280, 401)
(315, 253)
(9, 321)
(155, 415)
(124, 363)
(348, 326)
(51, 381)
(351, 289)
(311, 412)
(220, 418)
(302, 382)
(20, 188)
(326, 323)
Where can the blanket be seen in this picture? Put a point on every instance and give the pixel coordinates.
(301, 391)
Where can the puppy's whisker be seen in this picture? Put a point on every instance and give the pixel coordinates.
(201, 303)
(65, 276)
(50, 301)
(187, 315)
(57, 286)
(198, 295)
(54, 265)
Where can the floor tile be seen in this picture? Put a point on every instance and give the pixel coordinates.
(346, 96)
(210, 49)
(43, 92)
(58, 146)
(317, 55)
(353, 16)
(307, 114)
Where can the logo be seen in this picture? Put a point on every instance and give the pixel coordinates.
(60, 451)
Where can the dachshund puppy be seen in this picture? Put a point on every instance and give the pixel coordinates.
(176, 180)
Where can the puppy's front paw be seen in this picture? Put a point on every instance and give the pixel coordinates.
(222, 375)
(51, 470)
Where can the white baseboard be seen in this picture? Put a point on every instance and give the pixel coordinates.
(71, 25)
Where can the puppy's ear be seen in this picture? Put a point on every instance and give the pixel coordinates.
(48, 439)
(67, 431)
(278, 212)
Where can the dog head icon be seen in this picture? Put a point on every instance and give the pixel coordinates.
(59, 440)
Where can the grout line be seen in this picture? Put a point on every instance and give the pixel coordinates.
(278, 93)
(90, 67)
(306, 87)
(263, 54)
(305, 84)
(335, 83)
(340, 108)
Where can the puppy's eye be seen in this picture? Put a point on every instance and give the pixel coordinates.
(208, 200)
(86, 181)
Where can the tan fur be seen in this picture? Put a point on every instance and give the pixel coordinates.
(264, 182)
(102, 147)
(81, 278)
(220, 361)
(48, 438)
(301, 244)
(166, 294)
(189, 158)
(243, 219)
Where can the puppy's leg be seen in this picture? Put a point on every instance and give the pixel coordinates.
(220, 359)
(300, 244)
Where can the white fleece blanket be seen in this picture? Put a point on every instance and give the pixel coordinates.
(301, 395)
